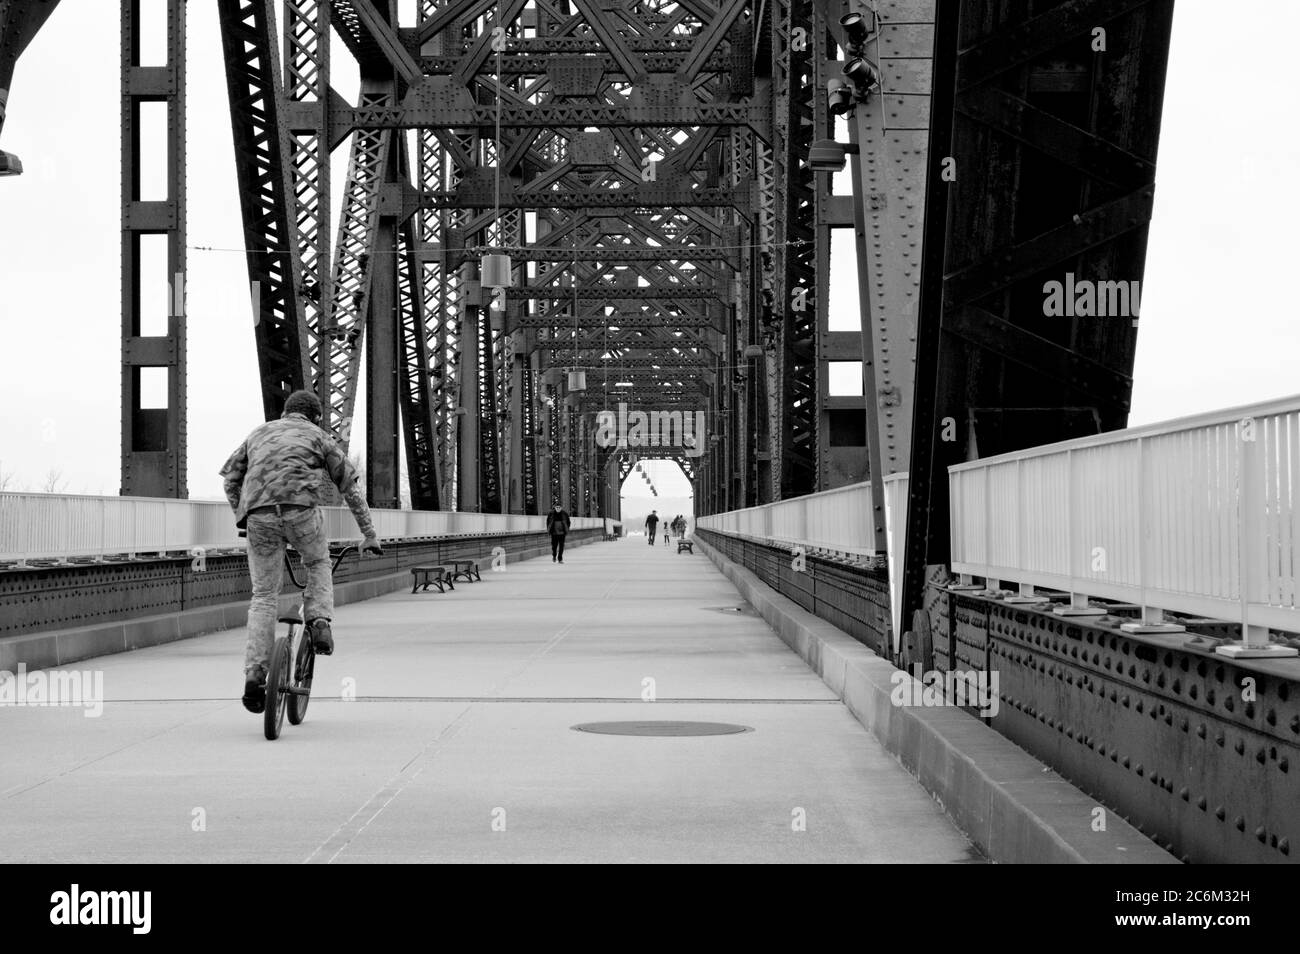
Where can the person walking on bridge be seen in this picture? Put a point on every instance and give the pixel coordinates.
(276, 481)
(651, 522)
(557, 525)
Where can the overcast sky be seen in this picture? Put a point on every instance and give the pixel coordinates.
(1219, 315)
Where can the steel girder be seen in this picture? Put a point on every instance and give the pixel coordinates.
(890, 132)
(1053, 145)
(306, 92)
(248, 35)
(20, 21)
(446, 69)
(793, 413)
(419, 416)
(669, 364)
(354, 265)
(153, 439)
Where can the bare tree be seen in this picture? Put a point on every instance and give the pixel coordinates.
(55, 482)
(8, 481)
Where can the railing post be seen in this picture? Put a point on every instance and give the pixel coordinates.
(1153, 618)
(1079, 605)
(1024, 590)
(1250, 547)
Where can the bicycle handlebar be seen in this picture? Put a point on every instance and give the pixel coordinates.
(288, 564)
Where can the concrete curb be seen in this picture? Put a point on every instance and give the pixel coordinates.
(1014, 808)
(60, 647)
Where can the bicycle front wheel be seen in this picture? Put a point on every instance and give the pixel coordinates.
(277, 681)
(303, 668)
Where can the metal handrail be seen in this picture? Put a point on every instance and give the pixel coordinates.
(62, 526)
(1199, 515)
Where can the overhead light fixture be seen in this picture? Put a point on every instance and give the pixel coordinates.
(10, 165)
(827, 155)
(859, 72)
(624, 384)
(856, 29)
(496, 273)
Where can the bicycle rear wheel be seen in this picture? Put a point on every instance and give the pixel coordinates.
(303, 668)
(277, 681)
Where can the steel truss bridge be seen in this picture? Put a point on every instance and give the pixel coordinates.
(660, 175)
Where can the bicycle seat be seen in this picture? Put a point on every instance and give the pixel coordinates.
(291, 619)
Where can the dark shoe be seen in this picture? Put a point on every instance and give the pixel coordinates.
(322, 640)
(255, 692)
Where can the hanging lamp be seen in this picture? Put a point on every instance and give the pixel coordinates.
(496, 269)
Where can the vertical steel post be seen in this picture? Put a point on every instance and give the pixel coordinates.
(153, 438)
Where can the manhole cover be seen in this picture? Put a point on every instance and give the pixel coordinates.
(662, 728)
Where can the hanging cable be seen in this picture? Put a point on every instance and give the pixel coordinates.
(496, 209)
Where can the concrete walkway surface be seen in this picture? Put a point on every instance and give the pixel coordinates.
(441, 731)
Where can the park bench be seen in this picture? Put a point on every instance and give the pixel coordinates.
(426, 576)
(466, 569)
(687, 545)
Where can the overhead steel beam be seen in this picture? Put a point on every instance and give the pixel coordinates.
(631, 198)
(613, 293)
(541, 116)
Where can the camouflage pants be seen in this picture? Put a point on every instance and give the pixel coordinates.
(267, 535)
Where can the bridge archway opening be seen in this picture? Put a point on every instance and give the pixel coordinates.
(659, 482)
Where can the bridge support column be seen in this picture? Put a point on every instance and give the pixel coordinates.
(153, 264)
(383, 362)
(467, 411)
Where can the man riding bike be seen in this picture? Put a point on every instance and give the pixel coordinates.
(276, 482)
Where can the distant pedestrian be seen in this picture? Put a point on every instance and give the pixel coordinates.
(667, 534)
(651, 522)
(557, 525)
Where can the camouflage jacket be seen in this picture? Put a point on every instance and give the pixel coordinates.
(291, 461)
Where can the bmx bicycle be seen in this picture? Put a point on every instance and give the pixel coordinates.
(289, 689)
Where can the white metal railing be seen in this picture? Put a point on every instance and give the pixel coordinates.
(42, 526)
(837, 520)
(1199, 515)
